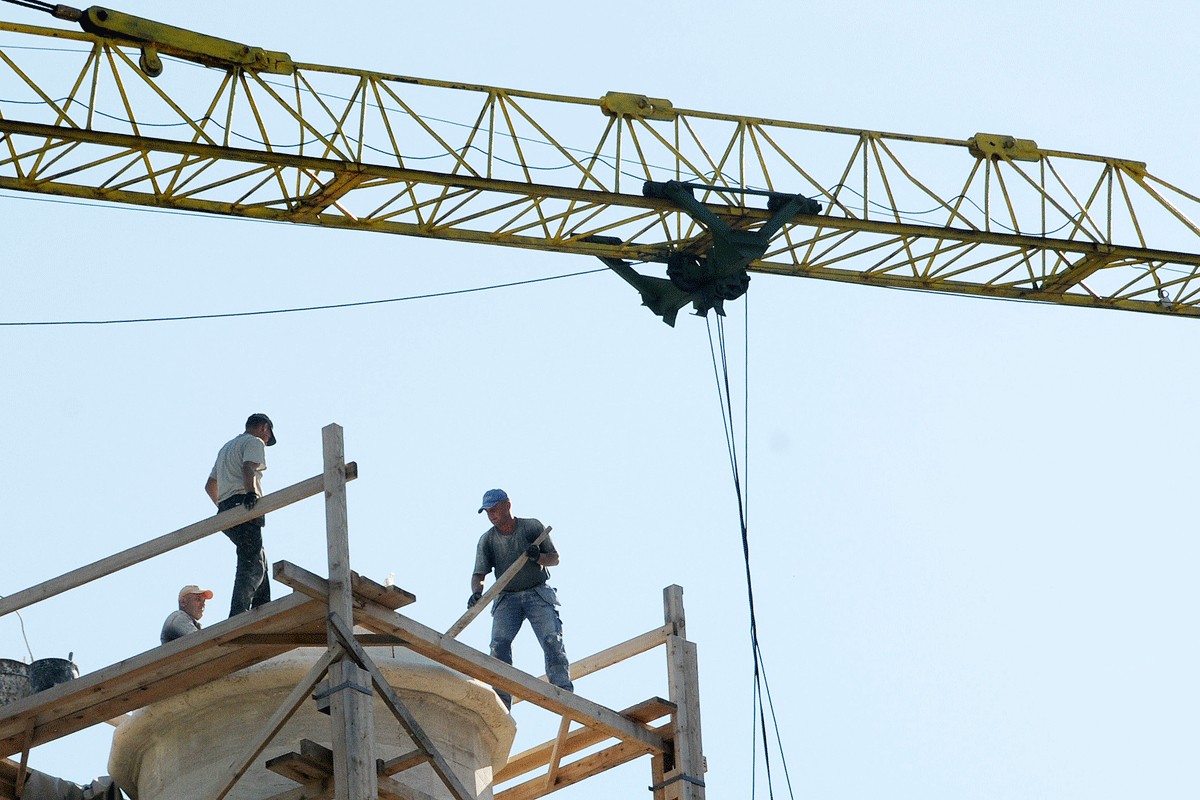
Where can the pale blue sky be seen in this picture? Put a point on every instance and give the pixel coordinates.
(970, 520)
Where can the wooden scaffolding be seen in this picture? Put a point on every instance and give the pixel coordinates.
(326, 612)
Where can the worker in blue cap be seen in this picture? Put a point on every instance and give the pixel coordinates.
(527, 596)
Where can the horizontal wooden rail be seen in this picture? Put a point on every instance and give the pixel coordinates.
(577, 740)
(615, 654)
(167, 542)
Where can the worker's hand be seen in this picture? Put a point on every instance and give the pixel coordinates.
(533, 553)
(249, 499)
(474, 598)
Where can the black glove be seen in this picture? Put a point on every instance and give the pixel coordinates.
(474, 598)
(249, 499)
(533, 552)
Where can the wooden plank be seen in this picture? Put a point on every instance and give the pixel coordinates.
(586, 767)
(673, 613)
(161, 672)
(401, 763)
(350, 711)
(314, 639)
(391, 789)
(313, 764)
(504, 580)
(392, 700)
(8, 778)
(579, 739)
(684, 777)
(392, 597)
(556, 752)
(23, 767)
(165, 543)
(458, 656)
(657, 771)
(310, 792)
(615, 654)
(296, 767)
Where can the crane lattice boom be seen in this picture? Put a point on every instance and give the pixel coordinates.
(346, 148)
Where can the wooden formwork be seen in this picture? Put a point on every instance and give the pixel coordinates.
(326, 611)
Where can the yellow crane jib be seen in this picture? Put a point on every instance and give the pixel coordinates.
(155, 37)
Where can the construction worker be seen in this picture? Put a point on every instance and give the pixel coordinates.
(527, 596)
(186, 619)
(236, 480)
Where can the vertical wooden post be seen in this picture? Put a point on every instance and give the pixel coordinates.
(686, 780)
(350, 707)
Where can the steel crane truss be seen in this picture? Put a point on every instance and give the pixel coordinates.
(345, 148)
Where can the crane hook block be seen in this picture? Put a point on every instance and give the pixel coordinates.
(621, 104)
(155, 37)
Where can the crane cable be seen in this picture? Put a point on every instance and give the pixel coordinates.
(298, 309)
(761, 685)
(23, 635)
(36, 5)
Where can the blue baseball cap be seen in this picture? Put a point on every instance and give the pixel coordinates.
(490, 498)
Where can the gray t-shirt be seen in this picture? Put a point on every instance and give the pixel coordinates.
(227, 471)
(498, 551)
(178, 624)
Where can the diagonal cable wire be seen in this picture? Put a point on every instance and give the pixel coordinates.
(302, 308)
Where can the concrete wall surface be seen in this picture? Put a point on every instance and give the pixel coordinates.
(183, 747)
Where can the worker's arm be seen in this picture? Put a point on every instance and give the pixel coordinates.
(545, 559)
(250, 477)
(210, 487)
(477, 583)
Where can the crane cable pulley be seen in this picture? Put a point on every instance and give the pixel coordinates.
(720, 273)
(152, 37)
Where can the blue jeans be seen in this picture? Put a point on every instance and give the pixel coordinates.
(539, 606)
(251, 586)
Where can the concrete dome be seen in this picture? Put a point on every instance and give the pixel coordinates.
(184, 746)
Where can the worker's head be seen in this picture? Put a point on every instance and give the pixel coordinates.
(496, 504)
(260, 425)
(192, 599)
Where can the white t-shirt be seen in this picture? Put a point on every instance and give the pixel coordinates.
(228, 469)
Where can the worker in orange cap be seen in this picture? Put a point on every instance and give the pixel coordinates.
(186, 619)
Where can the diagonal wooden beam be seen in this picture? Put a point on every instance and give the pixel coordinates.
(282, 714)
(496, 588)
(458, 656)
(440, 766)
